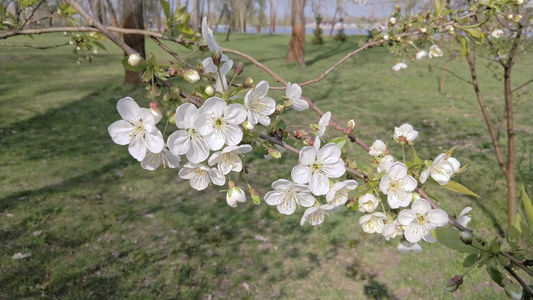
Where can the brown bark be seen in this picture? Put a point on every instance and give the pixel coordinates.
(112, 14)
(295, 52)
(510, 175)
(132, 17)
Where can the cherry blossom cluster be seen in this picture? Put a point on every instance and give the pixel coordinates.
(212, 140)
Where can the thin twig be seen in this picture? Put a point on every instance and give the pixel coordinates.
(31, 14)
(452, 73)
(35, 47)
(258, 64)
(524, 285)
(522, 85)
(517, 263)
(169, 51)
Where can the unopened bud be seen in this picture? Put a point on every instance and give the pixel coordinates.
(398, 8)
(209, 90)
(517, 2)
(156, 111)
(392, 21)
(172, 118)
(239, 68)
(453, 283)
(512, 290)
(308, 142)
(422, 29)
(350, 126)
(466, 237)
(216, 56)
(248, 82)
(517, 18)
(386, 37)
(191, 76)
(509, 16)
(275, 153)
(172, 72)
(246, 124)
(255, 195)
(449, 29)
(279, 109)
(299, 134)
(134, 59)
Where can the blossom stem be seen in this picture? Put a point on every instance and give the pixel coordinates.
(221, 78)
(403, 153)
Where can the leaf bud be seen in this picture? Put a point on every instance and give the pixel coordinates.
(453, 283)
(209, 90)
(248, 82)
(172, 72)
(275, 153)
(191, 76)
(466, 237)
(239, 68)
(216, 56)
(134, 59)
(511, 290)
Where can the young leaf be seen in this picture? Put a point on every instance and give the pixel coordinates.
(457, 187)
(528, 207)
(416, 160)
(470, 260)
(129, 67)
(494, 271)
(98, 44)
(464, 48)
(516, 230)
(450, 152)
(340, 141)
(449, 237)
(166, 8)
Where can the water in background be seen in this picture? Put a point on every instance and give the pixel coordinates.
(348, 30)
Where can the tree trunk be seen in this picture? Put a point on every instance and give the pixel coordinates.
(510, 174)
(295, 52)
(273, 15)
(132, 17)
(196, 16)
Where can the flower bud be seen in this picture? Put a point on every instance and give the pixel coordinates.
(398, 8)
(466, 237)
(386, 37)
(279, 109)
(449, 29)
(255, 195)
(234, 195)
(248, 82)
(517, 18)
(167, 98)
(392, 21)
(453, 283)
(134, 59)
(422, 30)
(299, 134)
(509, 16)
(156, 111)
(172, 118)
(246, 124)
(209, 90)
(172, 72)
(239, 68)
(78, 48)
(274, 153)
(350, 126)
(512, 290)
(216, 56)
(191, 76)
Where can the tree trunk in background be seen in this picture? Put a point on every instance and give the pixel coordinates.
(295, 52)
(96, 10)
(132, 17)
(196, 16)
(111, 11)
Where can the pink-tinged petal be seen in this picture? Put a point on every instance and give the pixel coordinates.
(179, 142)
(307, 155)
(235, 114)
(421, 206)
(406, 217)
(300, 174)
(274, 197)
(154, 142)
(397, 171)
(185, 115)
(198, 151)
(335, 170)
(319, 183)
(137, 149)
(438, 217)
(233, 135)
(329, 154)
(120, 131)
(413, 233)
(128, 109)
(305, 199)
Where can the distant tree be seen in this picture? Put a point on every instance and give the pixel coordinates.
(132, 17)
(295, 52)
(273, 15)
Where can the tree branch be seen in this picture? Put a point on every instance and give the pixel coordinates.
(169, 51)
(31, 14)
(522, 85)
(35, 47)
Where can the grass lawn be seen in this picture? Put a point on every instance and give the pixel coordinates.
(100, 227)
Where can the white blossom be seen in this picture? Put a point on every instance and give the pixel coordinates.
(209, 38)
(201, 176)
(259, 106)
(294, 93)
(405, 134)
(497, 33)
(287, 195)
(367, 203)
(398, 186)
(463, 218)
(399, 66)
(378, 148)
(338, 194)
(187, 140)
(315, 215)
(373, 223)
(385, 163)
(440, 170)
(229, 159)
(152, 160)
(323, 123)
(134, 59)
(392, 230)
(420, 220)
(435, 51)
(317, 166)
(421, 54)
(405, 247)
(137, 129)
(219, 123)
(234, 195)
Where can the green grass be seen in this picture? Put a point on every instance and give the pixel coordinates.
(110, 230)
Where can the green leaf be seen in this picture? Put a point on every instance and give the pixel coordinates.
(129, 67)
(494, 271)
(99, 45)
(470, 260)
(516, 230)
(528, 207)
(450, 152)
(148, 75)
(166, 8)
(340, 141)
(464, 48)
(416, 160)
(439, 7)
(504, 261)
(2, 10)
(476, 34)
(457, 187)
(449, 237)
